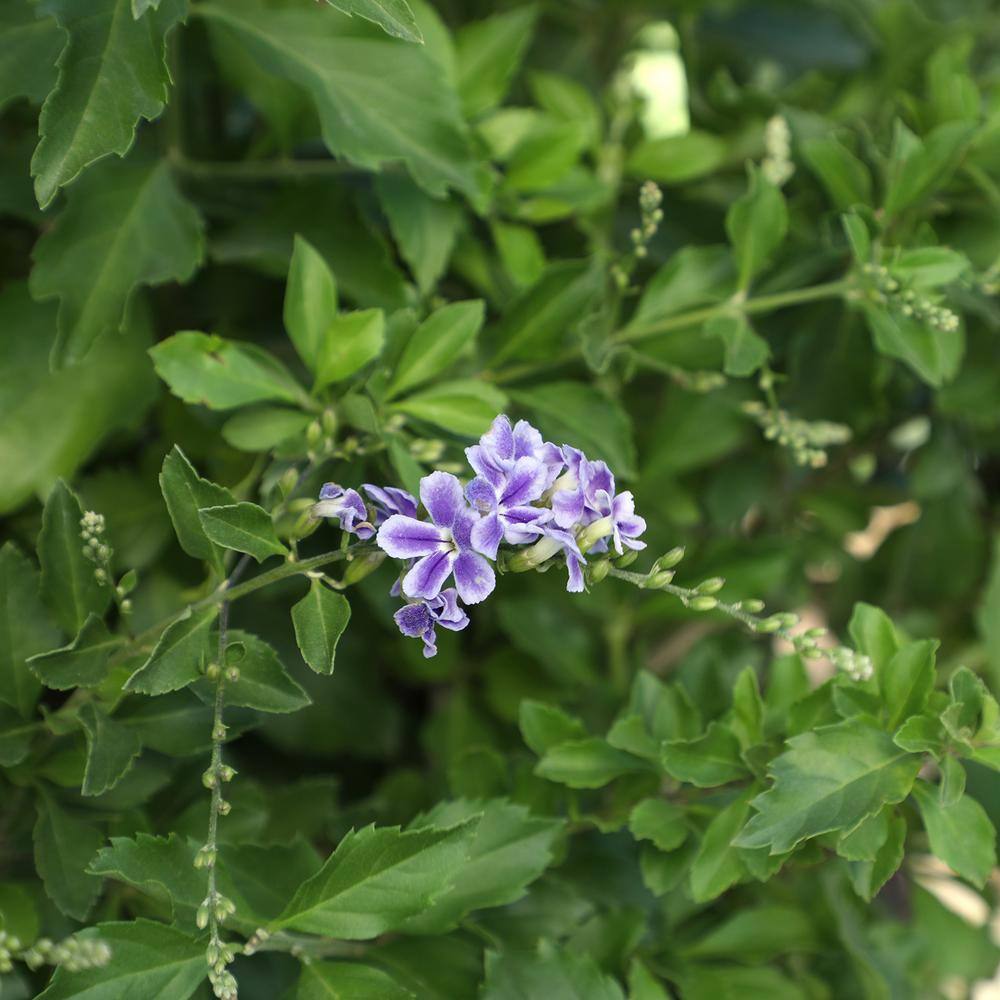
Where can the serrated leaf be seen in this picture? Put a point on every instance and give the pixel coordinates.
(82, 663)
(26, 628)
(348, 981)
(185, 493)
(310, 300)
(718, 864)
(864, 842)
(222, 374)
(242, 527)
(961, 834)
(63, 846)
(709, 760)
(394, 17)
(69, 584)
(111, 73)
(29, 47)
(348, 343)
(148, 960)
(320, 619)
(516, 975)
(907, 680)
(179, 656)
(125, 225)
(829, 779)
(111, 750)
(544, 726)
(376, 880)
(660, 822)
(756, 225)
(263, 684)
(867, 877)
(465, 406)
(377, 99)
(436, 343)
(587, 763)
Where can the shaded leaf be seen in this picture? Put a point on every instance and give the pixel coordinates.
(320, 619)
(111, 750)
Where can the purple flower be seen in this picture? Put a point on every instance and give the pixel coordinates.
(626, 525)
(575, 502)
(574, 558)
(501, 447)
(347, 506)
(441, 548)
(418, 620)
(389, 500)
(506, 506)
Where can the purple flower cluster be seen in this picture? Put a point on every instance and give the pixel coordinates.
(542, 500)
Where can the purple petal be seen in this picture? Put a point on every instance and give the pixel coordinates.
(567, 507)
(484, 465)
(596, 476)
(413, 619)
(574, 564)
(482, 494)
(390, 500)
(447, 612)
(330, 491)
(486, 535)
(441, 494)
(430, 643)
(461, 530)
(499, 439)
(406, 538)
(527, 440)
(526, 482)
(428, 575)
(473, 577)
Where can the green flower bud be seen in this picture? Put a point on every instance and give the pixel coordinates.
(669, 559)
(753, 605)
(768, 625)
(597, 571)
(711, 586)
(213, 671)
(208, 778)
(702, 603)
(226, 773)
(201, 917)
(362, 566)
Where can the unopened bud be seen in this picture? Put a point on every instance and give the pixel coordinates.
(205, 858)
(753, 604)
(711, 586)
(661, 579)
(201, 917)
(597, 571)
(213, 671)
(232, 674)
(314, 434)
(768, 625)
(703, 602)
(208, 778)
(669, 559)
(628, 557)
(224, 807)
(226, 773)
(362, 566)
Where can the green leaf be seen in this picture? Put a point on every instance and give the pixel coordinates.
(29, 47)
(112, 73)
(918, 167)
(263, 684)
(508, 850)
(376, 880)
(26, 628)
(961, 834)
(394, 17)
(873, 634)
(864, 842)
(436, 343)
(907, 680)
(349, 342)
(320, 619)
(125, 225)
(756, 933)
(222, 374)
(265, 427)
(710, 760)
(756, 225)
(677, 158)
(310, 300)
(746, 350)
(829, 779)
(425, 228)
(111, 750)
(18, 914)
(348, 981)
(566, 99)
(694, 276)
(148, 960)
(585, 418)
(377, 99)
(69, 586)
(935, 355)
(179, 656)
(83, 663)
(929, 267)
(15, 737)
(587, 763)
(521, 252)
(545, 726)
(642, 985)
(63, 846)
(488, 54)
(847, 180)
(517, 975)
(718, 864)
(185, 493)
(465, 406)
(242, 527)
(658, 821)
(867, 877)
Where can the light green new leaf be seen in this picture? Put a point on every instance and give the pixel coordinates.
(29, 47)
(873, 634)
(677, 158)
(829, 779)
(847, 180)
(69, 586)
(82, 663)
(394, 17)
(756, 225)
(551, 973)
(263, 684)
(63, 847)
(935, 355)
(377, 879)
(436, 343)
(265, 427)
(907, 680)
(867, 877)
(465, 406)
(310, 300)
(718, 864)
(349, 342)
(111, 749)
(112, 73)
(961, 835)
(378, 99)
(694, 276)
(242, 527)
(710, 760)
(320, 619)
(658, 821)
(348, 981)
(179, 656)
(587, 763)
(222, 374)
(185, 493)
(864, 842)
(125, 225)
(920, 166)
(26, 628)
(545, 726)
(148, 960)
(745, 349)
(488, 54)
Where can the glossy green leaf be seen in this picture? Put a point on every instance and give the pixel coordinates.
(242, 527)
(660, 822)
(310, 300)
(29, 47)
(394, 17)
(846, 179)
(678, 158)
(465, 406)
(349, 342)
(514, 975)
(907, 680)
(718, 864)
(545, 726)
(745, 350)
(263, 684)
(587, 763)
(320, 619)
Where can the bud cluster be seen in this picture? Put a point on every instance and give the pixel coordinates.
(650, 217)
(95, 548)
(892, 293)
(777, 165)
(807, 440)
(73, 953)
(856, 665)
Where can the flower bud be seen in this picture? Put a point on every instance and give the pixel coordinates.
(597, 571)
(213, 671)
(208, 778)
(711, 586)
(703, 602)
(201, 917)
(314, 434)
(661, 579)
(753, 604)
(205, 858)
(362, 566)
(768, 625)
(232, 674)
(329, 419)
(669, 559)
(224, 807)
(226, 773)
(219, 732)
